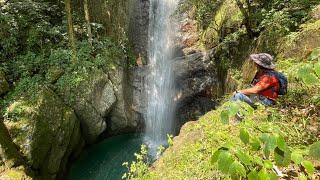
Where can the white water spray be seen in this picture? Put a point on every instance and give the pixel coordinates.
(160, 80)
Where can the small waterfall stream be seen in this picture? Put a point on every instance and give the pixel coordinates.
(160, 80)
(104, 160)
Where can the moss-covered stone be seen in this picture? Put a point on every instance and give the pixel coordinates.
(54, 73)
(14, 174)
(227, 19)
(91, 95)
(300, 44)
(9, 154)
(315, 13)
(43, 128)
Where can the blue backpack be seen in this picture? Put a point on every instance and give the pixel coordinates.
(283, 80)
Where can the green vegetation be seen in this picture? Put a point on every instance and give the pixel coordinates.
(48, 47)
(51, 52)
(285, 137)
(269, 142)
(34, 48)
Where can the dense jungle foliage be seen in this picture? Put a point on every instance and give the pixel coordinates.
(34, 46)
(49, 47)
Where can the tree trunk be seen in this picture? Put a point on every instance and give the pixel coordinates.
(247, 19)
(9, 153)
(87, 17)
(72, 39)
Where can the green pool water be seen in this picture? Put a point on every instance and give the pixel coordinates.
(104, 160)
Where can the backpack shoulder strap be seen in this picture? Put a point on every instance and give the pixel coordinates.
(255, 79)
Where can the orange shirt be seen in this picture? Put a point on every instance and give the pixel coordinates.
(269, 84)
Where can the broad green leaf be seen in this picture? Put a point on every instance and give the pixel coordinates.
(258, 160)
(306, 74)
(308, 166)
(314, 151)
(255, 144)
(266, 129)
(224, 162)
(270, 145)
(250, 110)
(264, 137)
(271, 142)
(244, 136)
(317, 68)
(315, 55)
(281, 143)
(246, 109)
(253, 175)
(226, 146)
(310, 79)
(215, 156)
(224, 117)
(233, 109)
(263, 175)
(303, 177)
(266, 152)
(273, 176)
(237, 169)
(268, 164)
(303, 71)
(243, 157)
(282, 158)
(296, 157)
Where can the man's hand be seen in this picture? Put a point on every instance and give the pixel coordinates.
(235, 92)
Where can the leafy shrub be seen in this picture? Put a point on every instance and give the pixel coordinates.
(139, 167)
(259, 157)
(306, 72)
(204, 10)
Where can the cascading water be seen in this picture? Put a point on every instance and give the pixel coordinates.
(160, 79)
(104, 160)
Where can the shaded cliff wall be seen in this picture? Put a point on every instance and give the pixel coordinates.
(138, 26)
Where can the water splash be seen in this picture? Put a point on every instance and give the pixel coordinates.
(160, 79)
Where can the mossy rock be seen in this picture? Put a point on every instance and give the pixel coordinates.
(91, 94)
(54, 73)
(14, 174)
(299, 45)
(227, 20)
(43, 128)
(315, 13)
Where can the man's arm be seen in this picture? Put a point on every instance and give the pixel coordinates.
(253, 90)
(263, 84)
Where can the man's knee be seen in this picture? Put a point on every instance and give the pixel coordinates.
(238, 96)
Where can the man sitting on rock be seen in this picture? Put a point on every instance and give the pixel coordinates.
(266, 85)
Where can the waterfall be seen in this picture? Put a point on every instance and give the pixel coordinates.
(160, 78)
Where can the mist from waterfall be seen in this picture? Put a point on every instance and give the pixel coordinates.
(160, 78)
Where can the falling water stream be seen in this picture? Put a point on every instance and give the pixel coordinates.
(104, 160)
(160, 82)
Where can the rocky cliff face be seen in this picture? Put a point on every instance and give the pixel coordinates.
(138, 26)
(45, 130)
(52, 127)
(195, 71)
(91, 100)
(74, 110)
